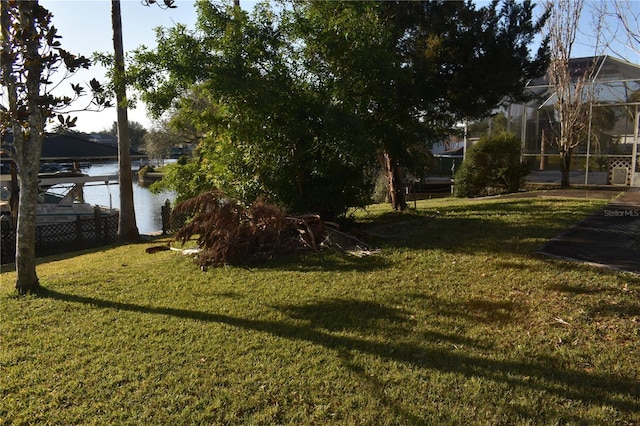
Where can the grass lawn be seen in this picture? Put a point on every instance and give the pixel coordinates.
(455, 321)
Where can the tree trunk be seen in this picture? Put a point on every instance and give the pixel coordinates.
(28, 148)
(27, 278)
(15, 195)
(396, 188)
(127, 228)
(565, 168)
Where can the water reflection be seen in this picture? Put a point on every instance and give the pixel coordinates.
(147, 205)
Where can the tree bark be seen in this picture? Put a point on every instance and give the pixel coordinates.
(565, 168)
(127, 228)
(396, 188)
(15, 194)
(26, 276)
(28, 148)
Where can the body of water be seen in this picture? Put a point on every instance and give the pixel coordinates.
(147, 205)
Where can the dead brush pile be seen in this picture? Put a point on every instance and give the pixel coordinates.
(228, 233)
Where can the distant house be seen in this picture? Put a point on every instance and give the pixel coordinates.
(611, 145)
(447, 156)
(103, 139)
(70, 148)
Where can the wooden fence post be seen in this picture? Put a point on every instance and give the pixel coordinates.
(97, 225)
(78, 229)
(166, 214)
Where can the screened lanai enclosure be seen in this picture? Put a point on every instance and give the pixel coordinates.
(609, 150)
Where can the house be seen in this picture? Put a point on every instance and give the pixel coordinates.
(61, 150)
(59, 153)
(103, 139)
(611, 146)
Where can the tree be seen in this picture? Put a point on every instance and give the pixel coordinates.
(31, 56)
(616, 23)
(571, 85)
(189, 122)
(136, 133)
(159, 141)
(308, 97)
(127, 228)
(420, 67)
(268, 130)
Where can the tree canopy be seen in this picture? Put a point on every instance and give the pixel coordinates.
(32, 64)
(301, 103)
(137, 133)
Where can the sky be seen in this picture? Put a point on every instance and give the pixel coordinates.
(85, 27)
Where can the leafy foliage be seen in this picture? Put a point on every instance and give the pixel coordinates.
(24, 22)
(137, 133)
(32, 65)
(492, 166)
(265, 131)
(299, 103)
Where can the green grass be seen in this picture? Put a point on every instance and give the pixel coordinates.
(454, 321)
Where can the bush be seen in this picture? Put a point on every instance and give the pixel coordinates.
(492, 166)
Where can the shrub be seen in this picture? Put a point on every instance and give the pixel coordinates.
(492, 166)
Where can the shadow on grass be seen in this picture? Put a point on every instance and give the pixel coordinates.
(515, 228)
(340, 315)
(325, 260)
(475, 310)
(42, 259)
(539, 374)
(630, 309)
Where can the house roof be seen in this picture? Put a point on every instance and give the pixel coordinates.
(613, 69)
(69, 147)
(614, 80)
(608, 69)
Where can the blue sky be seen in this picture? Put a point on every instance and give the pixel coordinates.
(85, 27)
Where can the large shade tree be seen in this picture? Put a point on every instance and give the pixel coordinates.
(268, 129)
(307, 98)
(33, 63)
(414, 69)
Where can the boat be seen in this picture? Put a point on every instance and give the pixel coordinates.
(61, 197)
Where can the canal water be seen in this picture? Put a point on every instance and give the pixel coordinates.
(147, 204)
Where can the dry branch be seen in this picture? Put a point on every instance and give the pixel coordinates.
(229, 233)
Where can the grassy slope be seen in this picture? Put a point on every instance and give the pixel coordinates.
(454, 321)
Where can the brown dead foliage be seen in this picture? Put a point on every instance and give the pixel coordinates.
(228, 233)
